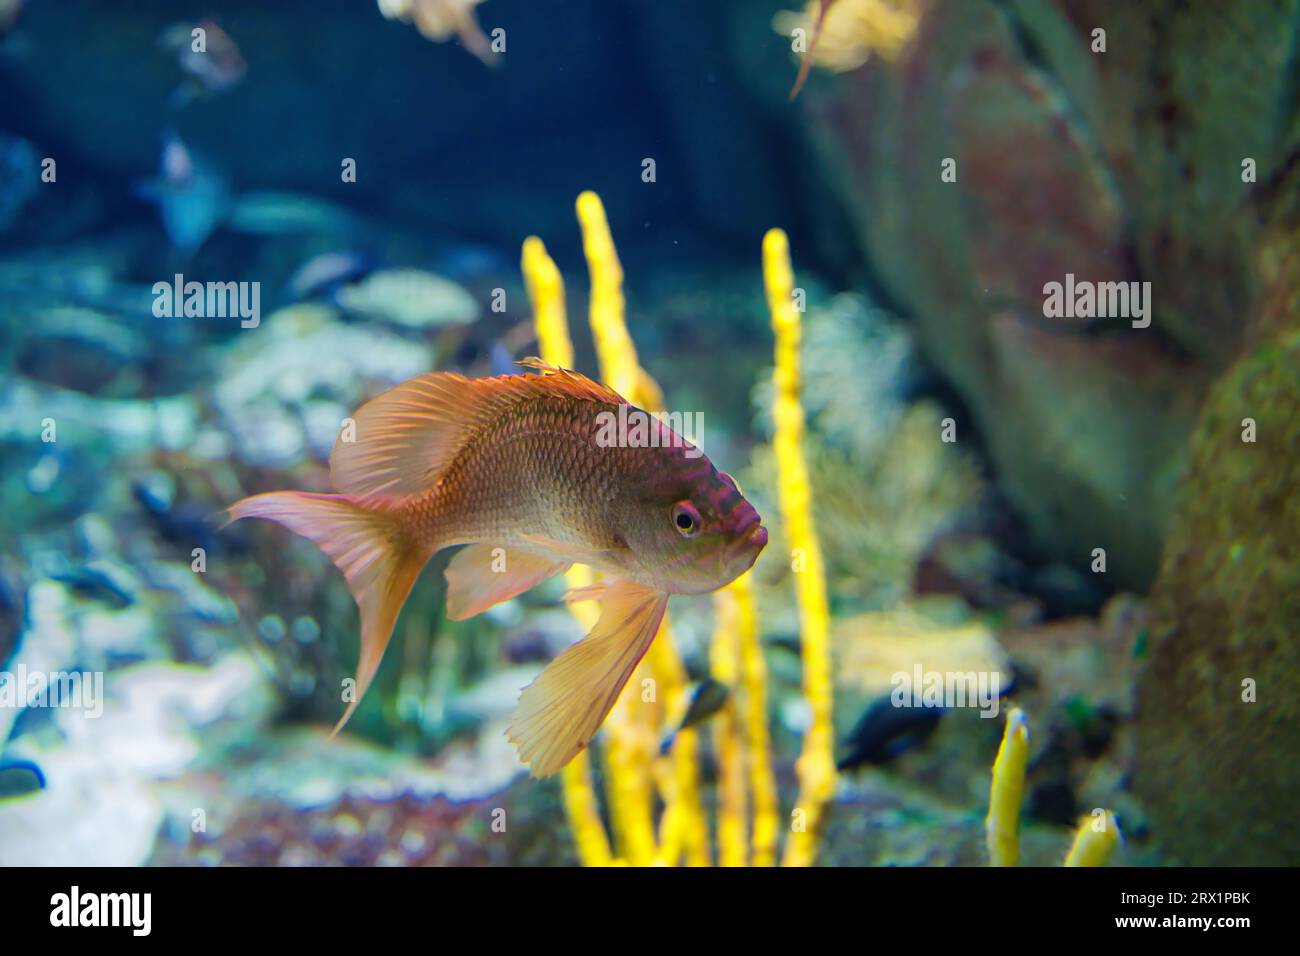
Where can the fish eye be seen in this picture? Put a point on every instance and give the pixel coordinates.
(686, 519)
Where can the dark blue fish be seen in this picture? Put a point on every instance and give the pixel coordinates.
(707, 699)
(885, 731)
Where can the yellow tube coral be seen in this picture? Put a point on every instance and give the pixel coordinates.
(1094, 841)
(816, 764)
(684, 831)
(545, 288)
(724, 653)
(633, 734)
(614, 348)
(546, 293)
(584, 817)
(1002, 826)
(630, 744)
(762, 782)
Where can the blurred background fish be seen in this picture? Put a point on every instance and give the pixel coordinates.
(191, 195)
(440, 20)
(706, 699)
(208, 57)
(884, 732)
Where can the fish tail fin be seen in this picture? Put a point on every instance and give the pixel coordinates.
(562, 709)
(379, 561)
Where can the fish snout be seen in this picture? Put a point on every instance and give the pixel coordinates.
(747, 540)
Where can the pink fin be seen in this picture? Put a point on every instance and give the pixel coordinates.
(367, 546)
(486, 574)
(561, 711)
(408, 436)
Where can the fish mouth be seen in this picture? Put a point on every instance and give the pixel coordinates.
(746, 539)
(750, 539)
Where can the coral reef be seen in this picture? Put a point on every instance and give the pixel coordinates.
(1223, 653)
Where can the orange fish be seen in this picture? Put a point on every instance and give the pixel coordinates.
(521, 468)
(805, 63)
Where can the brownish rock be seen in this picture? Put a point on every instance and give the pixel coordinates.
(1122, 165)
(1218, 719)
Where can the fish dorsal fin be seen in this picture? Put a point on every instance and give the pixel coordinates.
(561, 711)
(571, 382)
(404, 439)
(486, 574)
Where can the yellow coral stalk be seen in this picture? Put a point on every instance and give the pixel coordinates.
(633, 735)
(546, 293)
(614, 348)
(1002, 827)
(1094, 841)
(733, 849)
(762, 782)
(683, 828)
(628, 760)
(584, 818)
(816, 764)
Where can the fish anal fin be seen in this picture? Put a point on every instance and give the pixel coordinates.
(482, 575)
(562, 709)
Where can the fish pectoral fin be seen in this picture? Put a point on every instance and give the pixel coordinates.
(562, 709)
(482, 575)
